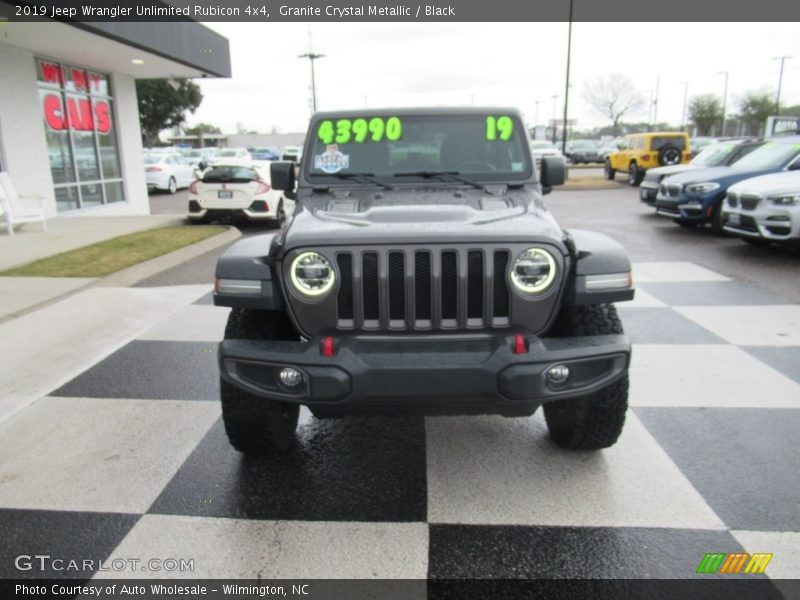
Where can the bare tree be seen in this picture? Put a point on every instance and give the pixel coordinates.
(613, 97)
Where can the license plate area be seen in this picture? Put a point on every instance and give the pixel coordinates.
(225, 194)
(735, 219)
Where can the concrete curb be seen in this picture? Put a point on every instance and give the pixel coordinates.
(139, 272)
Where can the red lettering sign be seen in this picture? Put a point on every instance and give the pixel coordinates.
(79, 115)
(52, 73)
(79, 80)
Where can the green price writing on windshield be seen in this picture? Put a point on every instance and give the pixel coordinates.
(345, 131)
(499, 128)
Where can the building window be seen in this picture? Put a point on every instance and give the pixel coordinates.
(78, 113)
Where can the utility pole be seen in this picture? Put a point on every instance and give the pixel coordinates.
(724, 101)
(312, 56)
(566, 83)
(555, 138)
(655, 103)
(780, 83)
(685, 100)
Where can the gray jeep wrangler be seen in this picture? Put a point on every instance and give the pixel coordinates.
(421, 272)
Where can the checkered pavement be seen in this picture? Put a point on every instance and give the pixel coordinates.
(129, 459)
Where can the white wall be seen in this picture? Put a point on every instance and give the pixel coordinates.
(22, 126)
(24, 146)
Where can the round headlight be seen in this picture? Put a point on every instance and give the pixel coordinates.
(533, 271)
(312, 274)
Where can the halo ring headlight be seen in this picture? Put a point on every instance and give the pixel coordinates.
(312, 274)
(533, 271)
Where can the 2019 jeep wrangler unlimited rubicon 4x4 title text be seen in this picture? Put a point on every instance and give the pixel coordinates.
(421, 272)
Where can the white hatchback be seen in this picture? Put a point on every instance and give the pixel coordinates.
(233, 190)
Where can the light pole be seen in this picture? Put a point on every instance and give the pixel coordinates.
(566, 83)
(685, 100)
(655, 104)
(724, 101)
(312, 56)
(780, 83)
(536, 115)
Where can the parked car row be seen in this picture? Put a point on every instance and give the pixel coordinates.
(749, 188)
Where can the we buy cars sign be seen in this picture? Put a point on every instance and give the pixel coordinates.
(80, 113)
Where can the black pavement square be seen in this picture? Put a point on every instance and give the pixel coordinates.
(489, 551)
(353, 469)
(785, 359)
(744, 461)
(663, 326)
(709, 293)
(151, 370)
(60, 535)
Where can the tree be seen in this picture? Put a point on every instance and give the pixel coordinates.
(705, 111)
(613, 97)
(754, 108)
(163, 104)
(201, 128)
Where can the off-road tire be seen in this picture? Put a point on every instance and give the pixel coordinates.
(257, 425)
(594, 421)
(669, 155)
(609, 173)
(635, 174)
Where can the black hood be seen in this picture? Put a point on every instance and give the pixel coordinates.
(421, 216)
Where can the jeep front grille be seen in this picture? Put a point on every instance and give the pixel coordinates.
(422, 289)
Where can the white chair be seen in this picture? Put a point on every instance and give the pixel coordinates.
(18, 209)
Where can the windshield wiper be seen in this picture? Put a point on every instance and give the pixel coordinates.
(442, 176)
(368, 177)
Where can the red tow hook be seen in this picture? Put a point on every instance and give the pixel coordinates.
(328, 349)
(519, 344)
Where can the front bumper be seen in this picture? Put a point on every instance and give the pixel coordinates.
(426, 375)
(780, 225)
(648, 190)
(688, 209)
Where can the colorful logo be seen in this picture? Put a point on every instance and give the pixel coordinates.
(735, 562)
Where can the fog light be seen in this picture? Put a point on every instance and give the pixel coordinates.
(291, 377)
(558, 374)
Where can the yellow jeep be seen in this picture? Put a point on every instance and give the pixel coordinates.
(641, 151)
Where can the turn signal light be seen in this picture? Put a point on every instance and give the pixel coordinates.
(261, 188)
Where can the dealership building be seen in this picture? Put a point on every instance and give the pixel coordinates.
(69, 118)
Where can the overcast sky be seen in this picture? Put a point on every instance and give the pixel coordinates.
(516, 64)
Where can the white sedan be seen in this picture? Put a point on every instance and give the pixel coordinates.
(233, 190)
(765, 209)
(232, 156)
(167, 171)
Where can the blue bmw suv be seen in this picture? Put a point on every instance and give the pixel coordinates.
(695, 197)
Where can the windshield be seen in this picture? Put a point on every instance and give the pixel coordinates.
(192, 153)
(227, 153)
(773, 155)
(582, 145)
(480, 146)
(229, 174)
(152, 159)
(542, 145)
(713, 155)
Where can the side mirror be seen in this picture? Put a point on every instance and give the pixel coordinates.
(281, 175)
(553, 171)
(201, 166)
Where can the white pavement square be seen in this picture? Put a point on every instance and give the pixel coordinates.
(707, 375)
(774, 325)
(784, 545)
(95, 454)
(233, 548)
(193, 323)
(664, 272)
(492, 470)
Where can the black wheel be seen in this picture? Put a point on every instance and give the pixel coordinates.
(608, 171)
(669, 155)
(594, 421)
(686, 224)
(257, 425)
(756, 242)
(280, 217)
(716, 220)
(172, 186)
(635, 175)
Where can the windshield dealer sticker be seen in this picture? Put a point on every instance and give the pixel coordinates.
(331, 161)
